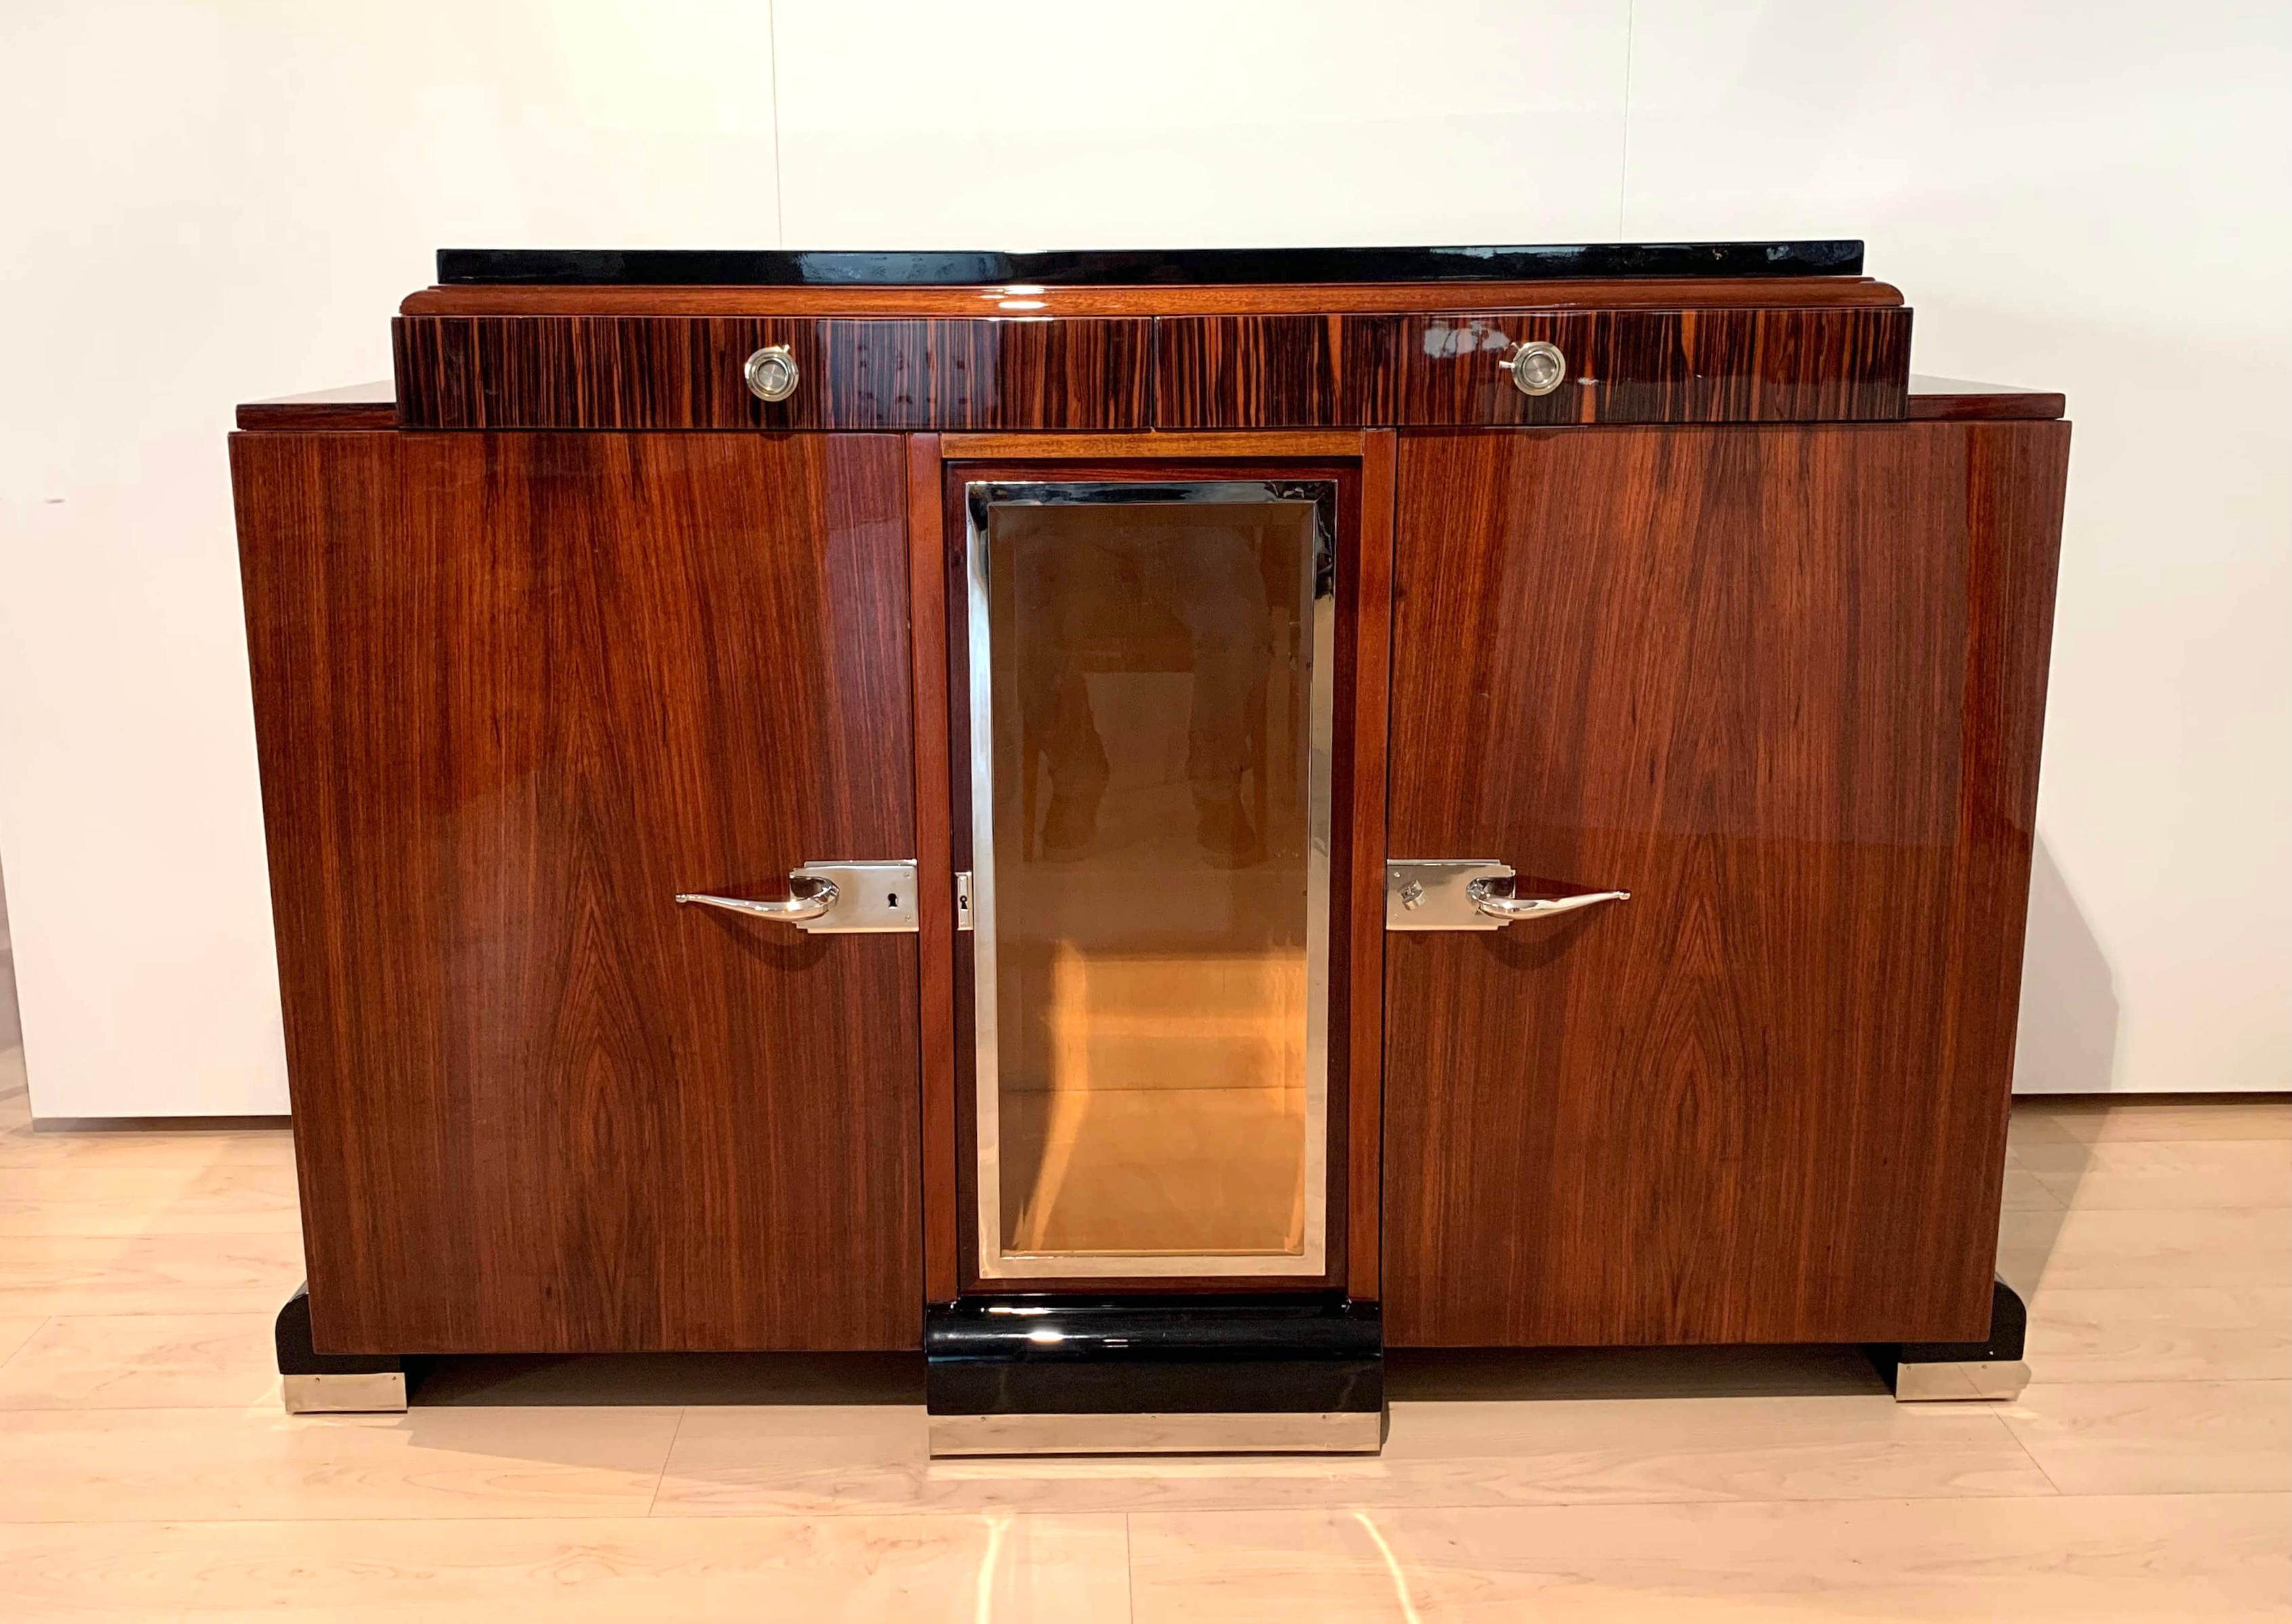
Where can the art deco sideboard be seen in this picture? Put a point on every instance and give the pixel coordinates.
(1149, 824)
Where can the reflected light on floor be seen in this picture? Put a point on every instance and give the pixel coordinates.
(1392, 1566)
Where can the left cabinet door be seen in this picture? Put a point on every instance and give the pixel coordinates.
(514, 693)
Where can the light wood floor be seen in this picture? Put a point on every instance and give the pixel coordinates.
(145, 1471)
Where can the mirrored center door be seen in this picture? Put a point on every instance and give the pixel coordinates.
(1150, 681)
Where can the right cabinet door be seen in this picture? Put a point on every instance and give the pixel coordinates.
(1783, 685)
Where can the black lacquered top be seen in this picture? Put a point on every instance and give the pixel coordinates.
(1133, 267)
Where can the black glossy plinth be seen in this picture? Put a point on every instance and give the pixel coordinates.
(1140, 266)
(1044, 1355)
(2009, 1327)
(314, 1383)
(297, 1357)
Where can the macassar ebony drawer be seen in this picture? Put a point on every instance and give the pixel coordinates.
(672, 371)
(1812, 364)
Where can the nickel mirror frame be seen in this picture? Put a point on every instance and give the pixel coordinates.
(1319, 496)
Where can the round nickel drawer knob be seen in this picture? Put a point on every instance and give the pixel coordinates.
(1537, 368)
(771, 372)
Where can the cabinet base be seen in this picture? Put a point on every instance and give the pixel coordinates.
(312, 1383)
(1991, 1369)
(380, 1393)
(1259, 1432)
(1029, 1374)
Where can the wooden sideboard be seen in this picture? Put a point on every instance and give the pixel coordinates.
(1728, 613)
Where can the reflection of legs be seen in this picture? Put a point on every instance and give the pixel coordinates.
(1078, 767)
(1224, 610)
(1068, 1018)
(1055, 720)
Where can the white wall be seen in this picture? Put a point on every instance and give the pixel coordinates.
(210, 203)
(225, 202)
(2092, 197)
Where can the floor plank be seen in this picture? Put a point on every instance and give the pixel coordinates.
(145, 1471)
(227, 1199)
(2026, 1191)
(2029, 1561)
(2097, 1119)
(2081, 1250)
(2162, 1333)
(144, 1362)
(187, 1274)
(815, 1461)
(2157, 1437)
(1051, 1570)
(2157, 1174)
(25, 1146)
(257, 1463)
(13, 1334)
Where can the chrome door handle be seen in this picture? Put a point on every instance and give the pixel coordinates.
(1485, 900)
(833, 899)
(1467, 894)
(810, 904)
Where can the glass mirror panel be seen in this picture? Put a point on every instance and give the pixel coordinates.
(1150, 698)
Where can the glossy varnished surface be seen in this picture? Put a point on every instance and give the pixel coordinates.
(513, 693)
(1184, 445)
(1743, 365)
(1957, 399)
(1046, 300)
(1063, 462)
(908, 268)
(671, 372)
(146, 1472)
(1367, 609)
(355, 406)
(935, 910)
(1785, 685)
(1172, 373)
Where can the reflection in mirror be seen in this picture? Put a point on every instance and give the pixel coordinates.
(1152, 689)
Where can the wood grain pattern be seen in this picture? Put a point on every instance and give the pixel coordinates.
(513, 692)
(355, 406)
(1685, 366)
(806, 1479)
(1958, 401)
(1173, 372)
(1364, 748)
(1614, 294)
(666, 372)
(1786, 686)
(927, 588)
(1106, 448)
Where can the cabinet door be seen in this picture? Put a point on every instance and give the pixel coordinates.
(1784, 685)
(514, 693)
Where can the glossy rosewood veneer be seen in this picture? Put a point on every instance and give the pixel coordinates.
(607, 358)
(1238, 299)
(578, 372)
(513, 694)
(1786, 687)
(1748, 365)
(1738, 618)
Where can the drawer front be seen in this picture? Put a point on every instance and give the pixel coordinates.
(580, 372)
(1621, 367)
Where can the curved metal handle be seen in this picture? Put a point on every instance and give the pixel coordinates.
(1486, 901)
(795, 911)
